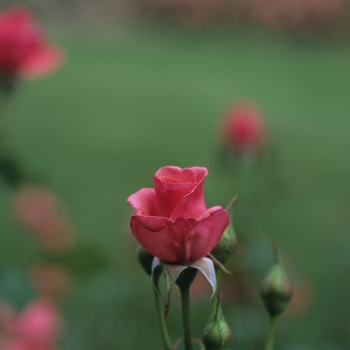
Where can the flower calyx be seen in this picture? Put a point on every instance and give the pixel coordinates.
(181, 275)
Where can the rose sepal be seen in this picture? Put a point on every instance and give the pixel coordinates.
(172, 272)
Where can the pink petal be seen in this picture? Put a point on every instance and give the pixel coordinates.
(166, 243)
(192, 205)
(143, 201)
(168, 195)
(174, 174)
(173, 183)
(206, 234)
(182, 242)
(42, 62)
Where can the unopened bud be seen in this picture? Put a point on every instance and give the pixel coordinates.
(228, 242)
(276, 290)
(145, 259)
(217, 335)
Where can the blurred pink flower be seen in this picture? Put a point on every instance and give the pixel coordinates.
(37, 208)
(243, 130)
(24, 51)
(37, 327)
(49, 280)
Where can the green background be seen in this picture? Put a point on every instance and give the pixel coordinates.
(131, 99)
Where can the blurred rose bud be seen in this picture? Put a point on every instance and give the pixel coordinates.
(49, 280)
(228, 241)
(276, 290)
(243, 130)
(38, 209)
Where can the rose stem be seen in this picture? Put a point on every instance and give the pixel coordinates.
(271, 333)
(186, 317)
(184, 282)
(161, 320)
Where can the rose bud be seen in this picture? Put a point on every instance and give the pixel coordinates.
(228, 241)
(172, 222)
(276, 290)
(243, 130)
(24, 51)
(217, 335)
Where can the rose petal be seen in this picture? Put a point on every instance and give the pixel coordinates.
(173, 183)
(181, 242)
(168, 196)
(143, 201)
(167, 243)
(192, 205)
(206, 234)
(174, 174)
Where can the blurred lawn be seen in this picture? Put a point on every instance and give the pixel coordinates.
(130, 101)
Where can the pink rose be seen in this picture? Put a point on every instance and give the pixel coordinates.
(172, 221)
(23, 48)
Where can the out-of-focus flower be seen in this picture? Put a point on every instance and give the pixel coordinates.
(37, 327)
(50, 281)
(37, 208)
(24, 51)
(172, 221)
(243, 130)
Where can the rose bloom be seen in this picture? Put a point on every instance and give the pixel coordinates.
(24, 51)
(172, 221)
(243, 129)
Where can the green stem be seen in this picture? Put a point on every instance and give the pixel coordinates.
(186, 316)
(161, 320)
(271, 334)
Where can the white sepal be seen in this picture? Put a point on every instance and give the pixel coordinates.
(206, 266)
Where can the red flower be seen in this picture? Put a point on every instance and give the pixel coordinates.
(244, 129)
(171, 221)
(23, 48)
